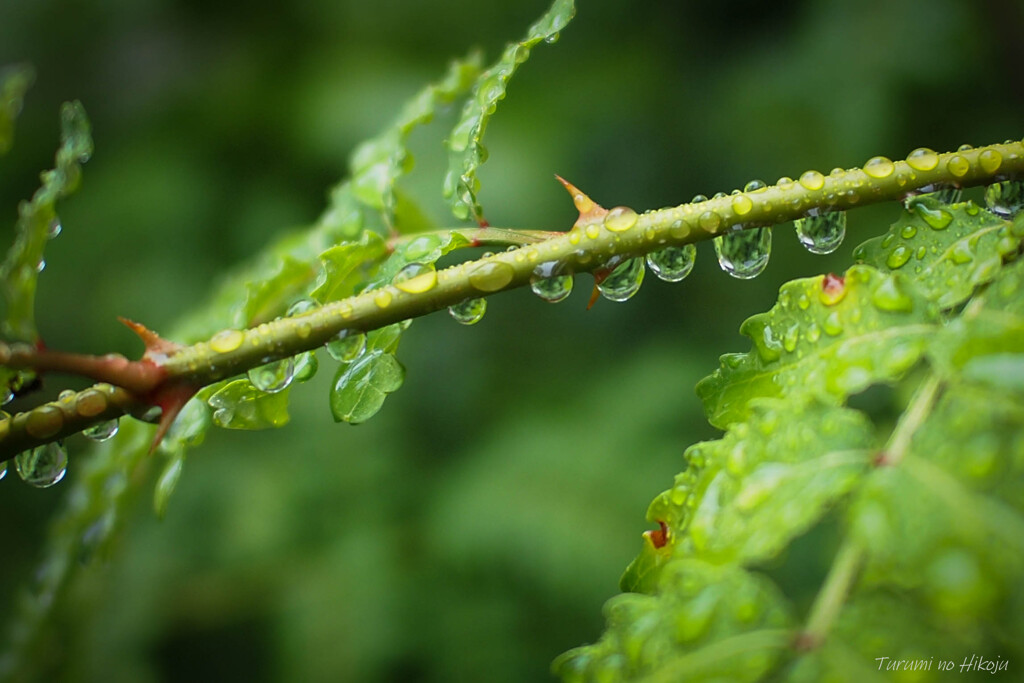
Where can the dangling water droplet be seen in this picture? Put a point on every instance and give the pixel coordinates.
(879, 167)
(54, 228)
(346, 346)
(620, 219)
(623, 282)
(923, 159)
(274, 376)
(306, 366)
(672, 264)
(821, 234)
(42, 466)
(40, 266)
(469, 312)
(102, 431)
(812, 180)
(491, 276)
(416, 278)
(744, 254)
(547, 282)
(1005, 198)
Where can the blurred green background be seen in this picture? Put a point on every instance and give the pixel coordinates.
(473, 529)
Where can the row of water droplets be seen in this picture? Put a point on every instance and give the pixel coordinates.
(45, 465)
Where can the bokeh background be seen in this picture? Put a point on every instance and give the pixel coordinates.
(473, 529)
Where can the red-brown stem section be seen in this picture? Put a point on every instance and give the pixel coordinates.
(139, 377)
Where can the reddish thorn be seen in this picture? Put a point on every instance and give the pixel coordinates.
(155, 344)
(658, 537)
(832, 281)
(590, 210)
(805, 642)
(881, 459)
(594, 296)
(482, 223)
(171, 400)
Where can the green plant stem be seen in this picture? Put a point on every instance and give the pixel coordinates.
(590, 245)
(851, 554)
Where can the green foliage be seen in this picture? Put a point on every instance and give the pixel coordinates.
(932, 507)
(14, 81)
(465, 144)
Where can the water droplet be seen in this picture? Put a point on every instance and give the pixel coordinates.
(938, 219)
(898, 257)
(102, 431)
(965, 147)
(698, 198)
(42, 466)
(958, 166)
(593, 231)
(813, 333)
(620, 219)
(491, 276)
(40, 266)
(923, 159)
(469, 312)
(306, 366)
(744, 254)
(547, 282)
(54, 228)
(990, 160)
(879, 167)
(961, 253)
(623, 282)
(754, 186)
(672, 264)
(790, 338)
(44, 421)
(742, 205)
(821, 234)
(346, 346)
(709, 221)
(382, 298)
(908, 232)
(226, 341)
(832, 324)
(416, 278)
(812, 180)
(274, 376)
(1005, 198)
(889, 296)
(3, 469)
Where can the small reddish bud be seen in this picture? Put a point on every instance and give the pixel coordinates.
(658, 537)
(833, 289)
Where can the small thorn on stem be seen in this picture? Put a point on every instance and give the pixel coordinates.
(590, 211)
(157, 347)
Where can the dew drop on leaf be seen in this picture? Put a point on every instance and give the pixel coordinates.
(744, 254)
(547, 282)
(346, 346)
(623, 282)
(42, 466)
(274, 376)
(938, 219)
(102, 431)
(898, 257)
(672, 264)
(469, 312)
(821, 234)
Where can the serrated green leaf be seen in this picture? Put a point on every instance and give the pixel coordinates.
(705, 622)
(267, 297)
(240, 405)
(344, 266)
(14, 83)
(465, 144)
(37, 221)
(744, 497)
(361, 386)
(377, 163)
(948, 250)
(828, 343)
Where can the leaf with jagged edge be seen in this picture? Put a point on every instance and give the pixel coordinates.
(377, 163)
(37, 220)
(826, 337)
(744, 497)
(360, 387)
(239, 405)
(465, 144)
(14, 83)
(990, 329)
(343, 266)
(704, 622)
(947, 249)
(265, 297)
